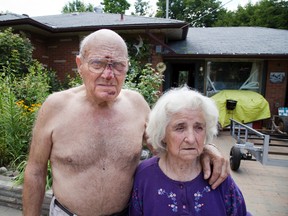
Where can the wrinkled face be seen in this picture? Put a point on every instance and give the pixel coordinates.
(103, 68)
(185, 135)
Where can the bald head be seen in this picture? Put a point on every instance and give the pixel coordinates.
(103, 38)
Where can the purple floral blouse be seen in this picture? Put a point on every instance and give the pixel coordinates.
(154, 194)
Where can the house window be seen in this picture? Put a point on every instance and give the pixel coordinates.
(232, 75)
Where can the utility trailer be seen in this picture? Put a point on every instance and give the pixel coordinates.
(268, 147)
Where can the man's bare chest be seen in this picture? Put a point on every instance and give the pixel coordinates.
(88, 143)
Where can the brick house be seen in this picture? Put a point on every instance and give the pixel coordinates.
(208, 59)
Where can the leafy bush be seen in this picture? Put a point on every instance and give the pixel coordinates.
(15, 52)
(147, 81)
(141, 76)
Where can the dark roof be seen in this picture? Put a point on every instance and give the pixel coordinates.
(89, 21)
(233, 41)
(102, 19)
(11, 16)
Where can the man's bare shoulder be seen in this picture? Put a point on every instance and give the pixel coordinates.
(132, 93)
(62, 96)
(135, 96)
(59, 99)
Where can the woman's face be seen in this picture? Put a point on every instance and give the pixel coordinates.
(185, 134)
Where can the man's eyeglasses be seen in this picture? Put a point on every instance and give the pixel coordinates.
(98, 65)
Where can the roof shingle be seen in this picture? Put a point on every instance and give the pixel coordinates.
(233, 41)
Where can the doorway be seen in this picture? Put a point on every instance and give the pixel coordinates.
(183, 74)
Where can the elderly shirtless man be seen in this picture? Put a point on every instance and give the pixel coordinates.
(93, 135)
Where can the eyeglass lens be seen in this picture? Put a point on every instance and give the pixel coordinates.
(99, 65)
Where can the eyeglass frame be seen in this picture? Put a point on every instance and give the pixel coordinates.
(110, 62)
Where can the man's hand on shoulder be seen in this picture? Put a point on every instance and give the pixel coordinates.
(213, 161)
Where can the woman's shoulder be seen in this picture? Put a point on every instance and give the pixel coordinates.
(147, 164)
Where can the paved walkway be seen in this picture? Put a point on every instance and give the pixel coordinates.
(265, 188)
(5, 211)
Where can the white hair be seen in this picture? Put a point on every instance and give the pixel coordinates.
(174, 101)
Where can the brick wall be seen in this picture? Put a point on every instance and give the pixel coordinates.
(57, 54)
(276, 92)
(62, 52)
(40, 50)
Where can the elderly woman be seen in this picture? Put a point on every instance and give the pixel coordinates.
(172, 183)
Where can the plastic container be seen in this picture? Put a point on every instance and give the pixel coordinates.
(231, 104)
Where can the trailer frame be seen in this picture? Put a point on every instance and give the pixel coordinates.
(244, 149)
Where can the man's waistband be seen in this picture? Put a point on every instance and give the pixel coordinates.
(57, 203)
(125, 212)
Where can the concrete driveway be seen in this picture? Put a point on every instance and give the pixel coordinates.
(5, 211)
(265, 188)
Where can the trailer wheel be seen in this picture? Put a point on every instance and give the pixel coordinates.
(235, 158)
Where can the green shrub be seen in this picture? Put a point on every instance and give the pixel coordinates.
(15, 52)
(147, 81)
